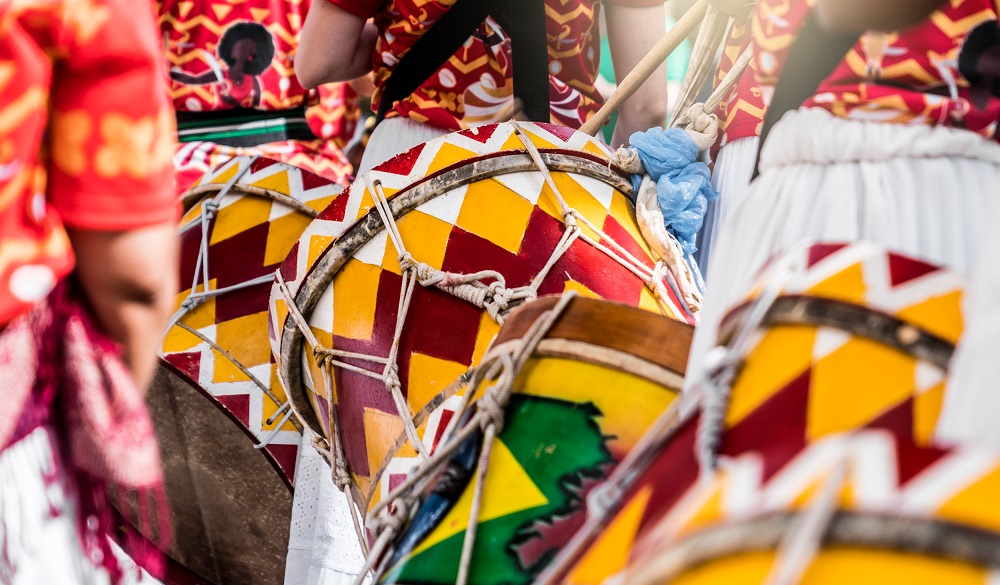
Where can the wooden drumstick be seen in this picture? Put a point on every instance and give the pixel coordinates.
(647, 66)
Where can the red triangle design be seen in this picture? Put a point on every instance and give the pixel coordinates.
(238, 405)
(818, 252)
(903, 269)
(480, 134)
(403, 163)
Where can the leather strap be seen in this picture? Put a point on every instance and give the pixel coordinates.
(524, 23)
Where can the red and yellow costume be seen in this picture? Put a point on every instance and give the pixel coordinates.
(226, 55)
(475, 84)
(81, 80)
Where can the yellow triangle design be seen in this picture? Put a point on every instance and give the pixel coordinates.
(610, 553)
(276, 182)
(260, 14)
(846, 285)
(223, 177)
(221, 10)
(508, 490)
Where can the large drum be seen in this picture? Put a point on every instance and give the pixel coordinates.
(833, 338)
(226, 430)
(397, 290)
(868, 507)
(575, 389)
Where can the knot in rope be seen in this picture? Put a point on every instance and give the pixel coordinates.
(341, 477)
(211, 207)
(322, 357)
(323, 448)
(392, 519)
(190, 303)
(627, 159)
(701, 125)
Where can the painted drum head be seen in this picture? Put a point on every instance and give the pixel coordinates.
(580, 403)
(241, 220)
(480, 223)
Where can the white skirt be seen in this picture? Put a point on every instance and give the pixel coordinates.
(323, 546)
(731, 179)
(921, 190)
(971, 410)
(39, 540)
(395, 136)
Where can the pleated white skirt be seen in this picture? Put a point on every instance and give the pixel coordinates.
(395, 136)
(971, 412)
(924, 191)
(39, 540)
(731, 179)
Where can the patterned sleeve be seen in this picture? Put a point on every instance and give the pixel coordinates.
(112, 127)
(362, 8)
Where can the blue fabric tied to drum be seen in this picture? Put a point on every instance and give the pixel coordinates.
(683, 184)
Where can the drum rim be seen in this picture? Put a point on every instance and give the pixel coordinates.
(852, 318)
(521, 319)
(329, 262)
(179, 374)
(197, 193)
(878, 530)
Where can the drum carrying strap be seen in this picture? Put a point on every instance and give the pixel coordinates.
(524, 23)
(811, 59)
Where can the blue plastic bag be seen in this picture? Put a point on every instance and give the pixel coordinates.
(683, 184)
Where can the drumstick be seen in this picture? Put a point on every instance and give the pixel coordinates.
(647, 66)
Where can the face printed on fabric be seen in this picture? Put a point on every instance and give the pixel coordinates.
(247, 49)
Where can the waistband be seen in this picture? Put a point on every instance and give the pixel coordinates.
(815, 136)
(243, 127)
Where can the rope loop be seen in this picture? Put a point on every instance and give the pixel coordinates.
(392, 519)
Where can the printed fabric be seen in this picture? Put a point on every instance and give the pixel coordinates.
(225, 55)
(475, 84)
(941, 72)
(89, 72)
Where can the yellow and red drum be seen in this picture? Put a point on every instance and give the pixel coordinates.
(397, 290)
(583, 388)
(226, 430)
(833, 338)
(867, 507)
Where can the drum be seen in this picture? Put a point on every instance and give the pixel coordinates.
(864, 507)
(397, 290)
(583, 389)
(227, 434)
(833, 338)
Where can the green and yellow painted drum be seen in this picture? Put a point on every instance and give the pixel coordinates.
(572, 385)
(397, 289)
(834, 338)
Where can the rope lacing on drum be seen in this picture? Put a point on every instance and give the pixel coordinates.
(501, 366)
(800, 544)
(209, 209)
(722, 365)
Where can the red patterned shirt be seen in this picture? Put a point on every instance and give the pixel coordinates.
(87, 74)
(225, 54)
(941, 72)
(476, 84)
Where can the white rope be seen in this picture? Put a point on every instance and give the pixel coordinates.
(208, 210)
(699, 120)
(800, 545)
(572, 218)
(723, 365)
(503, 367)
(246, 372)
(336, 456)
